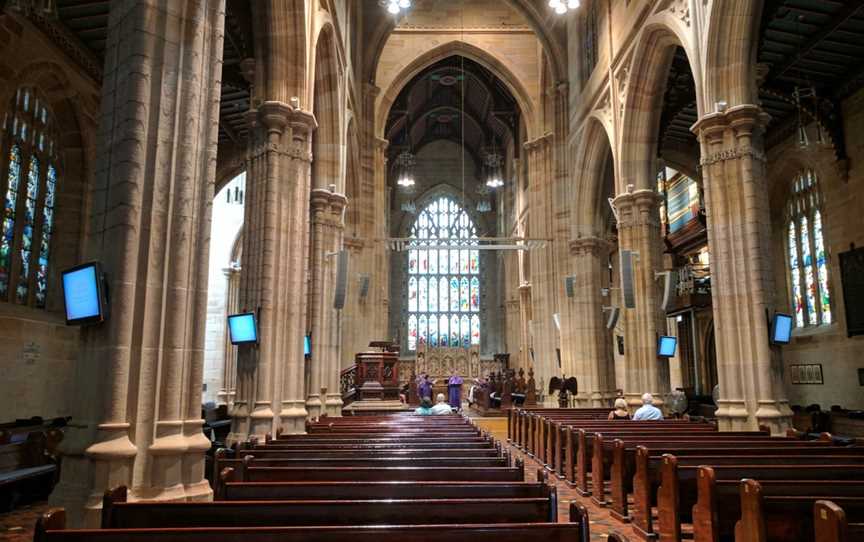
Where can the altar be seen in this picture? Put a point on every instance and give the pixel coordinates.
(442, 362)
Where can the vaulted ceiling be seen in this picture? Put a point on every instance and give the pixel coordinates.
(455, 99)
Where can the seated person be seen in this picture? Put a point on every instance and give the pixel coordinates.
(425, 408)
(648, 411)
(441, 406)
(620, 412)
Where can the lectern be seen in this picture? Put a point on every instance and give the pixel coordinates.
(378, 374)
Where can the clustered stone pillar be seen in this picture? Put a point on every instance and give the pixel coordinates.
(327, 233)
(543, 288)
(229, 367)
(742, 286)
(639, 231)
(138, 414)
(270, 390)
(585, 332)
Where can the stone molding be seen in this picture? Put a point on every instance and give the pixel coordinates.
(636, 208)
(589, 245)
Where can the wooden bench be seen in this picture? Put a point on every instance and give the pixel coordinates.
(27, 471)
(50, 528)
(718, 505)
(235, 490)
(372, 474)
(119, 514)
(677, 494)
(624, 463)
(831, 524)
(770, 518)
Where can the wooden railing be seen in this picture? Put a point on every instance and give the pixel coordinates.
(347, 384)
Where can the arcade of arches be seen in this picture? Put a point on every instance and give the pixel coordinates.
(216, 156)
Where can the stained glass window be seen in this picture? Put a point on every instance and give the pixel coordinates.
(439, 303)
(28, 184)
(808, 263)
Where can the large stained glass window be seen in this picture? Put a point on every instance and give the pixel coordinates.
(443, 284)
(28, 184)
(808, 265)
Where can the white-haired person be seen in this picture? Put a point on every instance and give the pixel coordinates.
(441, 406)
(620, 412)
(648, 411)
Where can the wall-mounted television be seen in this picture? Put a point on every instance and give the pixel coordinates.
(666, 346)
(307, 346)
(781, 328)
(243, 328)
(84, 294)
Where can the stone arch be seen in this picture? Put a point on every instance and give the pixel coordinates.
(642, 106)
(74, 165)
(730, 52)
(281, 50)
(589, 171)
(327, 139)
(456, 47)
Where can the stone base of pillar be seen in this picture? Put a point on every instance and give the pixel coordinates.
(261, 420)
(292, 419)
(314, 408)
(333, 405)
(732, 415)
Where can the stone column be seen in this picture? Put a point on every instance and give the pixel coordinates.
(639, 231)
(585, 331)
(229, 366)
(543, 292)
(327, 234)
(742, 285)
(380, 251)
(138, 418)
(270, 392)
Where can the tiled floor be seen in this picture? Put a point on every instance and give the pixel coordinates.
(602, 524)
(17, 526)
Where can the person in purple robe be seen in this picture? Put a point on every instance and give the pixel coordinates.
(424, 387)
(454, 387)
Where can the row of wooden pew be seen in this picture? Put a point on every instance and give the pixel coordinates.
(376, 479)
(742, 486)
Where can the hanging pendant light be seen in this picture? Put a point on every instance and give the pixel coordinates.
(494, 178)
(405, 163)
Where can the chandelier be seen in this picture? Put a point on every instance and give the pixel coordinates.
(395, 6)
(405, 163)
(563, 6)
(493, 170)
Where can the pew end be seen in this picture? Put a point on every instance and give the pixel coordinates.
(52, 520)
(830, 522)
(751, 528)
(579, 515)
(111, 497)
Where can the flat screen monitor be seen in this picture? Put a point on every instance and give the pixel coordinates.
(243, 328)
(666, 346)
(781, 329)
(307, 346)
(84, 294)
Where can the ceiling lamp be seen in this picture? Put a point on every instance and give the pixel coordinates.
(493, 170)
(563, 6)
(405, 162)
(395, 6)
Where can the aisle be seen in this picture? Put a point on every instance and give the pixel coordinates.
(601, 523)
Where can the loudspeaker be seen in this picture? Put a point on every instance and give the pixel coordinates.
(614, 313)
(364, 286)
(341, 279)
(670, 284)
(626, 260)
(569, 286)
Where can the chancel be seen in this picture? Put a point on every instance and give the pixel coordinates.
(245, 246)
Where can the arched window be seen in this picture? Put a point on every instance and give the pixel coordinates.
(28, 184)
(808, 268)
(443, 284)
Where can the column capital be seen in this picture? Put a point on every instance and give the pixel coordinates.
(525, 287)
(274, 115)
(302, 122)
(537, 143)
(381, 144)
(354, 244)
(744, 119)
(319, 199)
(594, 246)
(338, 202)
(371, 90)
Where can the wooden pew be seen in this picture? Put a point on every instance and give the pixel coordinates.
(51, 528)
(119, 514)
(264, 451)
(624, 462)
(27, 470)
(232, 490)
(831, 525)
(784, 518)
(677, 494)
(371, 474)
(718, 505)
